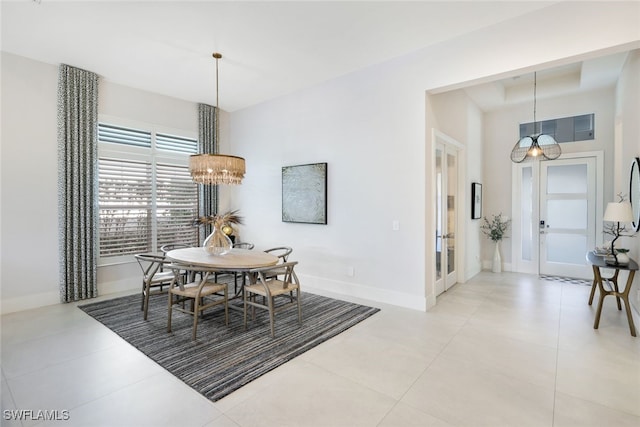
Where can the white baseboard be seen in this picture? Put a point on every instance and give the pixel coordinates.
(117, 287)
(487, 265)
(11, 305)
(351, 291)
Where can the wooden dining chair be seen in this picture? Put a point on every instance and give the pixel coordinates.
(200, 292)
(277, 295)
(282, 252)
(154, 277)
(171, 246)
(243, 245)
(235, 275)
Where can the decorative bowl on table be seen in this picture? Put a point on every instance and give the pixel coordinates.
(602, 251)
(621, 255)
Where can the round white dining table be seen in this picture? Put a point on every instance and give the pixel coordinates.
(235, 260)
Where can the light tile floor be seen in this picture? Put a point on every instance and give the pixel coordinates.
(501, 350)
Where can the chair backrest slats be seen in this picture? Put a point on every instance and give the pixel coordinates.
(150, 263)
(281, 252)
(244, 245)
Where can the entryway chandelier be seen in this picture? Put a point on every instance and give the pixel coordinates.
(212, 169)
(538, 145)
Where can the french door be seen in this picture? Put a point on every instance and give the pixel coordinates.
(446, 216)
(555, 217)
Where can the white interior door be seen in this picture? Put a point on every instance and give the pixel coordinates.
(446, 216)
(567, 216)
(555, 207)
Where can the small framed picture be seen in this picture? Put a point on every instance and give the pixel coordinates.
(476, 200)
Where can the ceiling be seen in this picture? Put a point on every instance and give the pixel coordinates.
(269, 48)
(568, 79)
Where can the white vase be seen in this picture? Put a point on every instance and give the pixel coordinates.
(619, 259)
(497, 261)
(622, 258)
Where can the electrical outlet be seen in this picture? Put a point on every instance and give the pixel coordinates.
(351, 271)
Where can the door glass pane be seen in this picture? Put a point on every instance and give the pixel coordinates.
(452, 185)
(567, 179)
(527, 213)
(438, 213)
(571, 214)
(566, 248)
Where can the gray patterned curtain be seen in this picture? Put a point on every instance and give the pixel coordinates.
(207, 194)
(77, 183)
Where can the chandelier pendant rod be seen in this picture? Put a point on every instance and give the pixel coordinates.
(535, 100)
(217, 56)
(214, 168)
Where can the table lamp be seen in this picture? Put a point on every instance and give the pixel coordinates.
(617, 212)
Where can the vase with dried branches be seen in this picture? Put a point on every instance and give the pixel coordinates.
(617, 214)
(218, 242)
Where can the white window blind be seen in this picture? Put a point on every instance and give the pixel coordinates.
(125, 199)
(176, 143)
(120, 135)
(146, 196)
(176, 204)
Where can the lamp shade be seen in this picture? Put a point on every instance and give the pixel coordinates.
(618, 212)
(537, 146)
(213, 169)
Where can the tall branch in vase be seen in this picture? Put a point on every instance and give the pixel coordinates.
(615, 228)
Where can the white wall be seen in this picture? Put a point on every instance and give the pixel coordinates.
(628, 147)
(502, 133)
(29, 219)
(369, 126)
(375, 156)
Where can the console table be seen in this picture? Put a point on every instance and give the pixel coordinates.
(597, 262)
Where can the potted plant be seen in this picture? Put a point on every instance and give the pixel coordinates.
(496, 230)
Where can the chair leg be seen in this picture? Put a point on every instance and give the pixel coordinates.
(244, 314)
(144, 285)
(226, 307)
(271, 317)
(299, 306)
(196, 312)
(146, 300)
(169, 313)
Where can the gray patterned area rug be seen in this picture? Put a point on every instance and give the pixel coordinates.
(225, 358)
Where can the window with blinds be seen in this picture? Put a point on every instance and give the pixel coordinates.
(146, 196)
